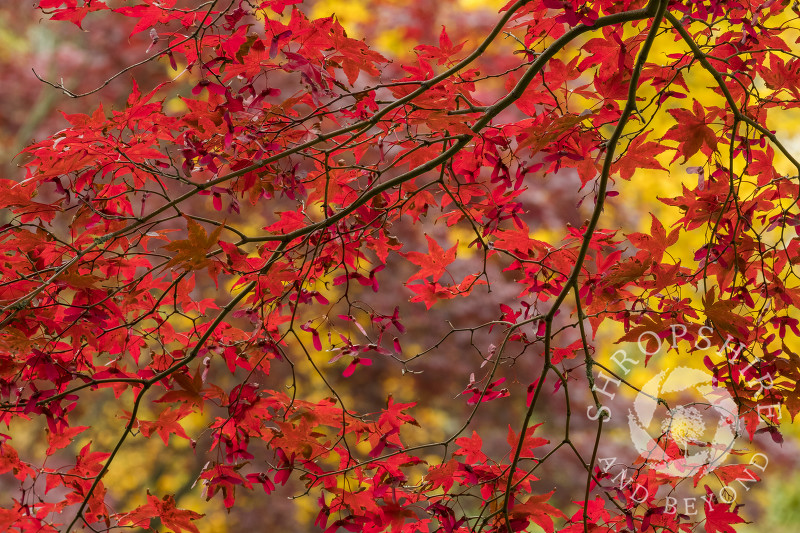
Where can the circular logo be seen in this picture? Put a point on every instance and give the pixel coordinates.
(691, 438)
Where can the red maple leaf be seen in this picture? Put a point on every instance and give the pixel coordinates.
(658, 240)
(530, 442)
(720, 518)
(394, 417)
(640, 154)
(537, 510)
(166, 510)
(190, 253)
(443, 52)
(63, 438)
(691, 131)
(430, 293)
(71, 12)
(442, 475)
(434, 263)
(471, 448)
(167, 424)
(517, 239)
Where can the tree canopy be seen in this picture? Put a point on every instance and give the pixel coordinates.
(428, 269)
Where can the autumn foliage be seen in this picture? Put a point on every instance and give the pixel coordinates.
(239, 270)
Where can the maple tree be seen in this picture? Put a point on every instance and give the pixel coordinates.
(210, 263)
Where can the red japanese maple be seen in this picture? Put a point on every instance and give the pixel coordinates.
(298, 211)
